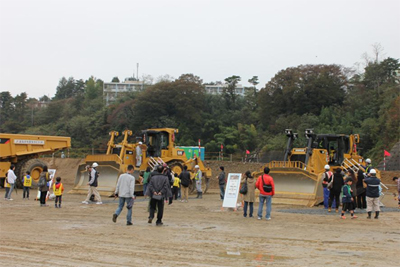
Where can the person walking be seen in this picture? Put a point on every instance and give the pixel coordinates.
(185, 182)
(221, 182)
(125, 190)
(27, 183)
(348, 199)
(372, 184)
(197, 178)
(11, 179)
(327, 175)
(146, 176)
(361, 192)
(334, 194)
(44, 178)
(93, 183)
(159, 189)
(250, 197)
(58, 190)
(265, 183)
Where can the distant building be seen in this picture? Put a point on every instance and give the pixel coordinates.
(114, 89)
(217, 89)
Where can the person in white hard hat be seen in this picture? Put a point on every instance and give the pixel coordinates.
(139, 154)
(197, 178)
(93, 176)
(368, 167)
(372, 184)
(327, 176)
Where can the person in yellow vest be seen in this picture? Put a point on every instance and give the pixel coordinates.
(27, 182)
(58, 190)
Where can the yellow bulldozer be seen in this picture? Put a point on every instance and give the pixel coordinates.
(157, 146)
(298, 178)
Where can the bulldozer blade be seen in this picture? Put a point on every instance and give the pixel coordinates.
(107, 181)
(296, 187)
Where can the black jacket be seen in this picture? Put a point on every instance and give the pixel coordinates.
(372, 186)
(338, 182)
(159, 183)
(185, 178)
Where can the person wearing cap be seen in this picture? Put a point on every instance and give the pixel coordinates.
(372, 184)
(327, 176)
(139, 154)
(368, 166)
(93, 177)
(197, 178)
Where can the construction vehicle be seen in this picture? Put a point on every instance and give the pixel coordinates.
(24, 150)
(298, 178)
(158, 147)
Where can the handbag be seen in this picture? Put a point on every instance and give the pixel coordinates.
(267, 187)
(156, 197)
(243, 189)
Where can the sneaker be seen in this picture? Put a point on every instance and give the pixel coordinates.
(150, 220)
(159, 224)
(128, 223)
(85, 202)
(269, 218)
(259, 218)
(354, 217)
(343, 217)
(114, 218)
(99, 203)
(10, 199)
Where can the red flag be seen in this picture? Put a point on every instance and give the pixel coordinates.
(386, 154)
(222, 146)
(247, 152)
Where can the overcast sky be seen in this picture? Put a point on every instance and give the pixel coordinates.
(42, 41)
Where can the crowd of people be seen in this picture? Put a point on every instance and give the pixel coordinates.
(351, 190)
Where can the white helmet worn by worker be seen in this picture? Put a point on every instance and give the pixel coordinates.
(372, 171)
(140, 143)
(197, 167)
(94, 165)
(368, 161)
(327, 167)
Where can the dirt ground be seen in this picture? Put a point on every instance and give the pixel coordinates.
(198, 233)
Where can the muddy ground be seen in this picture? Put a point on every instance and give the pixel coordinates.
(198, 233)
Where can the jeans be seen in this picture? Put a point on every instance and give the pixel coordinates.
(222, 191)
(145, 188)
(9, 192)
(122, 201)
(26, 192)
(58, 200)
(268, 199)
(245, 209)
(326, 197)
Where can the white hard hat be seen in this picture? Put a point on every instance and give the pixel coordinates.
(372, 171)
(94, 165)
(140, 143)
(197, 167)
(368, 161)
(327, 167)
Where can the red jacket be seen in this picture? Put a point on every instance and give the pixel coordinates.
(268, 181)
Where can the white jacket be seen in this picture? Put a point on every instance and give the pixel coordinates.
(11, 176)
(125, 185)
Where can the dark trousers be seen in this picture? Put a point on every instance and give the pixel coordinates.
(362, 200)
(7, 190)
(43, 195)
(175, 191)
(58, 199)
(159, 204)
(26, 192)
(334, 196)
(245, 209)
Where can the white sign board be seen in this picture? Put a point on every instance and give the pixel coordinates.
(232, 190)
(29, 142)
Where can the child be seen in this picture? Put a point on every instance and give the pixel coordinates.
(347, 199)
(397, 181)
(58, 189)
(175, 186)
(27, 182)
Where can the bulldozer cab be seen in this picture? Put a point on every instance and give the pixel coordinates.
(335, 145)
(159, 142)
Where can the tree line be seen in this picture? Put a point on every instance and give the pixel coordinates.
(326, 98)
